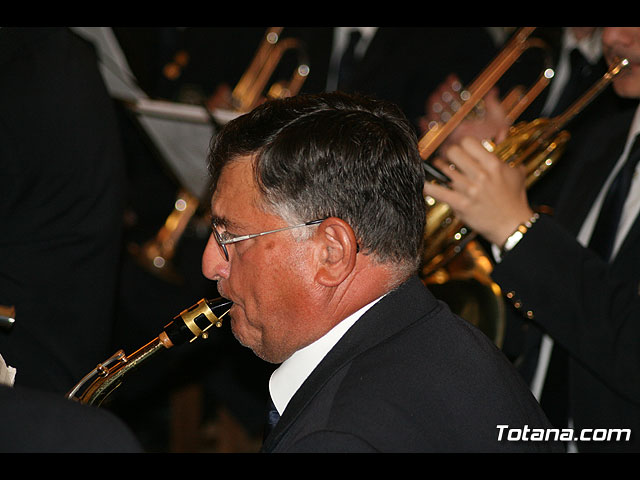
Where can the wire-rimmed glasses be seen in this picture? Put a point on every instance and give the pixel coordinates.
(224, 238)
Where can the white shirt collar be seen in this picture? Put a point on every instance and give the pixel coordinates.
(292, 373)
(632, 203)
(590, 47)
(341, 38)
(340, 42)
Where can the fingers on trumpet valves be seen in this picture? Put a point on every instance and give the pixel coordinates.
(434, 174)
(448, 169)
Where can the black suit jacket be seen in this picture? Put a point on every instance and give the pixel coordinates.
(589, 307)
(33, 421)
(62, 177)
(409, 376)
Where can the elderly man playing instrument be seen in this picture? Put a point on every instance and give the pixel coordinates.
(318, 216)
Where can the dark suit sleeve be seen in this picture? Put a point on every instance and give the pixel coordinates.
(575, 298)
(34, 421)
(332, 442)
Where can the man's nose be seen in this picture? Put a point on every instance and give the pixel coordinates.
(214, 264)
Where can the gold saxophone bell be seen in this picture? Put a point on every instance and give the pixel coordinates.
(537, 145)
(189, 325)
(156, 254)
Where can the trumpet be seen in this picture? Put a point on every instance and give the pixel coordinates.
(451, 253)
(458, 272)
(517, 102)
(189, 325)
(156, 254)
(537, 145)
(250, 90)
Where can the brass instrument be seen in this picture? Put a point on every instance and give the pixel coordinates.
(465, 285)
(156, 254)
(451, 253)
(7, 317)
(188, 325)
(250, 90)
(520, 42)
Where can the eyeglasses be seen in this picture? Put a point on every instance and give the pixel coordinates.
(224, 238)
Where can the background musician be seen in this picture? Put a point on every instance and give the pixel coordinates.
(584, 298)
(61, 204)
(62, 171)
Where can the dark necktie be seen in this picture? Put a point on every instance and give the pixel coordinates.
(349, 62)
(272, 418)
(606, 227)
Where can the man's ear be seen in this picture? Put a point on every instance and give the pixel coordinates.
(337, 249)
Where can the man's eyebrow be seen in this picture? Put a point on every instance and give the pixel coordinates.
(224, 222)
(218, 220)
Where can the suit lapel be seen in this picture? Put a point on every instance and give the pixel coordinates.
(372, 328)
(601, 153)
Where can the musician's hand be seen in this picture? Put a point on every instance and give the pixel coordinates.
(487, 195)
(488, 121)
(442, 103)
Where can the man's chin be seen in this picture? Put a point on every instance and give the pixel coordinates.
(250, 342)
(238, 326)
